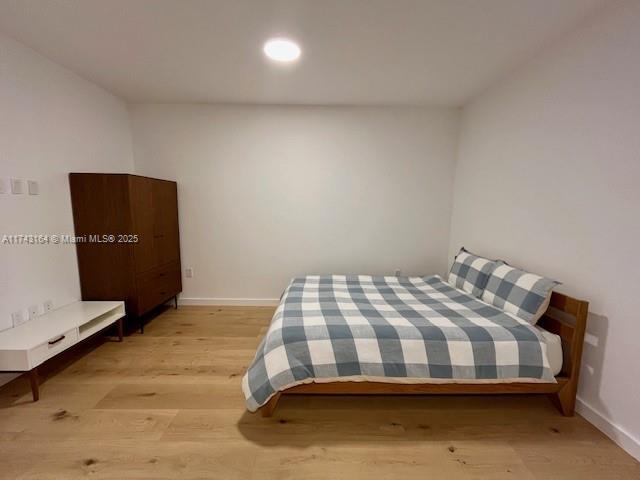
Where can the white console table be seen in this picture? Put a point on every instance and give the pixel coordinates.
(25, 347)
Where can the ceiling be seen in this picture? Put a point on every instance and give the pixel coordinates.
(355, 52)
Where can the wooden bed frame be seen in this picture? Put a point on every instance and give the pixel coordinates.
(566, 317)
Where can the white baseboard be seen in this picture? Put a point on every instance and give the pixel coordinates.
(615, 432)
(243, 302)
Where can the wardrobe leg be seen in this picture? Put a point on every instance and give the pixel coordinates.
(175, 302)
(120, 330)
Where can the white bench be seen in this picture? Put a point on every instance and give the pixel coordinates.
(25, 347)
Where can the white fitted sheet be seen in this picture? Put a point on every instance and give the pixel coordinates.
(554, 349)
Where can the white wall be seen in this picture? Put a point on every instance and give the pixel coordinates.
(267, 193)
(548, 177)
(51, 123)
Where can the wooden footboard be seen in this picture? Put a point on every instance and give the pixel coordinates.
(566, 317)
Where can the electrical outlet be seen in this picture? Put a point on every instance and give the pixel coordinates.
(33, 312)
(189, 272)
(17, 318)
(47, 306)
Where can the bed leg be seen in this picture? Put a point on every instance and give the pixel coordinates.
(269, 407)
(565, 400)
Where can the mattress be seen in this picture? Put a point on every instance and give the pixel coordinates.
(392, 329)
(554, 350)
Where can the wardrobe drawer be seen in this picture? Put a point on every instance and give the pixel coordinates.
(165, 274)
(157, 286)
(52, 347)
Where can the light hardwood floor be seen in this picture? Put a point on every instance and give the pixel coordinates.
(168, 405)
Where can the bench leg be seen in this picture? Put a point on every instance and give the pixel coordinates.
(268, 408)
(35, 384)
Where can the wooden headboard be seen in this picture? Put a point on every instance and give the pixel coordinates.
(567, 318)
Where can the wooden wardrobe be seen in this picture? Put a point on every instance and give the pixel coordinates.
(128, 240)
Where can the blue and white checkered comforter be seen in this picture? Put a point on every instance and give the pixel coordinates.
(390, 329)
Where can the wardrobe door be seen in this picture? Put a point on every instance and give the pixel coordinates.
(165, 221)
(101, 208)
(141, 194)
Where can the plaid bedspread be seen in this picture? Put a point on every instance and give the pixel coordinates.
(390, 329)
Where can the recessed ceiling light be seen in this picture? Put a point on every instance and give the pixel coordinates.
(281, 50)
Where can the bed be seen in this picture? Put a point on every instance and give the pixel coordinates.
(360, 334)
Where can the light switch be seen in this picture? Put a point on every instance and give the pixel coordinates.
(17, 318)
(34, 188)
(4, 185)
(17, 186)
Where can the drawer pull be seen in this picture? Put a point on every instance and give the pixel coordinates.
(161, 275)
(163, 293)
(59, 339)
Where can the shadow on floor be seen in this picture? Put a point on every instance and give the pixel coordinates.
(303, 421)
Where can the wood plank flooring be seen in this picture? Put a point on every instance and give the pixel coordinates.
(168, 405)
